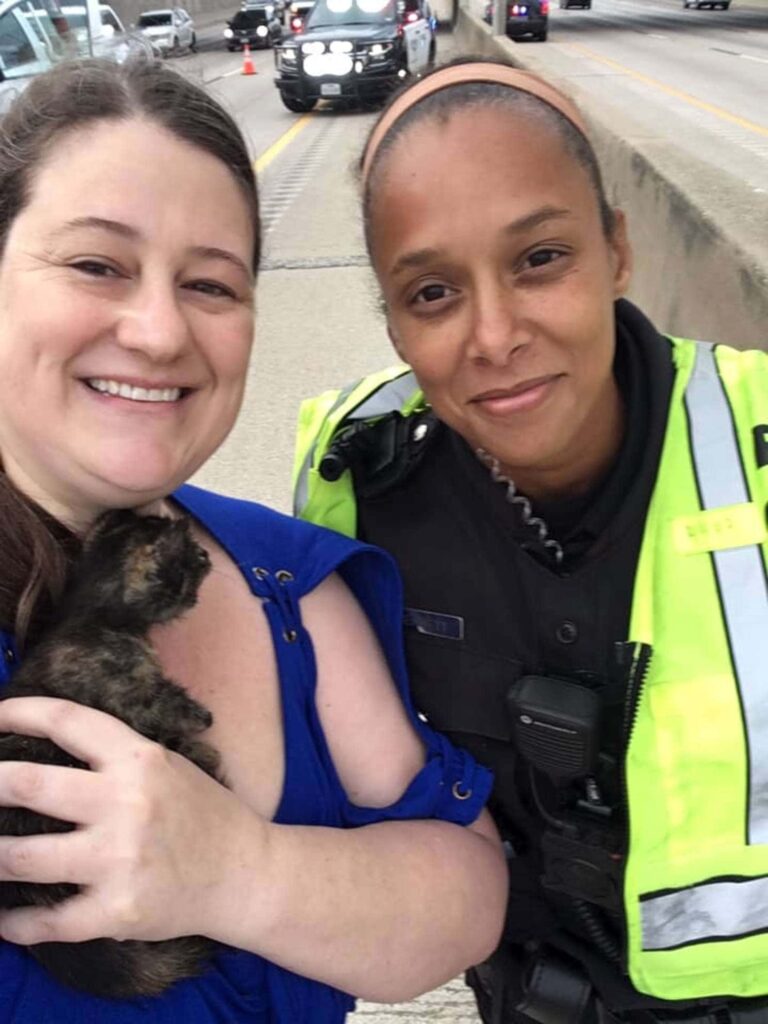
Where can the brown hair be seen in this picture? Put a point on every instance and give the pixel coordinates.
(35, 548)
(473, 82)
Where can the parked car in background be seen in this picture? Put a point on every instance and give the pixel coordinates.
(114, 42)
(33, 37)
(258, 25)
(297, 14)
(567, 4)
(78, 21)
(529, 19)
(411, 12)
(713, 4)
(170, 29)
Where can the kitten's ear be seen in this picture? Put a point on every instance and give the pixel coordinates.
(107, 524)
(181, 525)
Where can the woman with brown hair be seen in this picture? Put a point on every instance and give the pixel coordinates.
(130, 244)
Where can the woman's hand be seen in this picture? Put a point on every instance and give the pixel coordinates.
(153, 838)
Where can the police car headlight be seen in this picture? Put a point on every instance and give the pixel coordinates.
(380, 49)
(261, 31)
(340, 46)
(228, 33)
(312, 48)
(288, 54)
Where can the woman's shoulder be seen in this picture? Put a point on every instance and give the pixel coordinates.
(258, 537)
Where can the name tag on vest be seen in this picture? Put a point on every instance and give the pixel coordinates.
(448, 627)
(717, 529)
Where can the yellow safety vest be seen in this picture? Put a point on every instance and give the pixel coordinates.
(696, 766)
(696, 881)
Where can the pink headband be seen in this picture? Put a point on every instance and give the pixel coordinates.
(477, 71)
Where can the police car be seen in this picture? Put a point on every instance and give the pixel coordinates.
(354, 51)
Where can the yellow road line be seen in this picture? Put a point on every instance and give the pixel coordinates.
(269, 154)
(710, 108)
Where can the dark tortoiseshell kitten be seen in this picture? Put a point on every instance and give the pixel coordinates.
(134, 572)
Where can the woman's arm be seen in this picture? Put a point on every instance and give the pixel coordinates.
(389, 910)
(382, 911)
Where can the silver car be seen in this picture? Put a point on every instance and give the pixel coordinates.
(169, 29)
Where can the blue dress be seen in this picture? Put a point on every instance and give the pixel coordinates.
(282, 559)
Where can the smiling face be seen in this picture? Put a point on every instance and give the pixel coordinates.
(126, 319)
(499, 285)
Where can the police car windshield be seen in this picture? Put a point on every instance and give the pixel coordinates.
(330, 13)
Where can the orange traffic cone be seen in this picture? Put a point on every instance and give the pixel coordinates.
(248, 68)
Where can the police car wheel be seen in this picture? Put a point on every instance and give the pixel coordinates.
(297, 106)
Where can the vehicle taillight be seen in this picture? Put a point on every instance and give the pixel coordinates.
(297, 24)
(545, 6)
(411, 16)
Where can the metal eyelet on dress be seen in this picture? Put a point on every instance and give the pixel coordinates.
(290, 636)
(459, 793)
(283, 576)
(9, 656)
(259, 573)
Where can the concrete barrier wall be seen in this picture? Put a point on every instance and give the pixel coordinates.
(700, 237)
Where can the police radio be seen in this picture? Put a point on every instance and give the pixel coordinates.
(556, 725)
(556, 729)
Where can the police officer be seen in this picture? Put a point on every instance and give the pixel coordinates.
(577, 504)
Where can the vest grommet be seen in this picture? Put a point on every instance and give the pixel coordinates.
(9, 656)
(459, 793)
(259, 573)
(284, 576)
(290, 636)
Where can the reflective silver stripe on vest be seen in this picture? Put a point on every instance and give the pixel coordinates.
(389, 397)
(728, 908)
(740, 572)
(715, 910)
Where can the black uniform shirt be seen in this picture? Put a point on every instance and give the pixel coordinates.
(499, 607)
(487, 604)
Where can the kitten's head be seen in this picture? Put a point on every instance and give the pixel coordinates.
(150, 566)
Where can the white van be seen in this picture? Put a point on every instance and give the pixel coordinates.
(77, 19)
(114, 42)
(33, 37)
